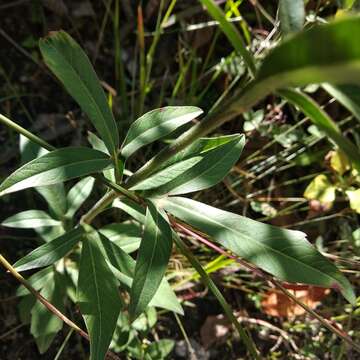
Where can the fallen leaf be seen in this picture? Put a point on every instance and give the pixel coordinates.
(275, 303)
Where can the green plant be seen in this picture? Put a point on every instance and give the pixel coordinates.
(94, 262)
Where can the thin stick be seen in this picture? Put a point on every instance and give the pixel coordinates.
(47, 304)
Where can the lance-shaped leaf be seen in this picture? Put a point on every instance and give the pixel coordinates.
(50, 252)
(65, 58)
(292, 15)
(30, 219)
(322, 120)
(156, 124)
(55, 167)
(98, 296)
(78, 194)
(325, 53)
(123, 266)
(197, 171)
(151, 262)
(285, 254)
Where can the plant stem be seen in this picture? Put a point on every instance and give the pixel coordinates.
(46, 303)
(6, 121)
(211, 285)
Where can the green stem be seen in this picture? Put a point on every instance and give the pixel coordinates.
(214, 289)
(6, 121)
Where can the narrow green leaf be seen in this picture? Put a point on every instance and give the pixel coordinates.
(55, 167)
(54, 195)
(347, 95)
(50, 252)
(231, 33)
(197, 172)
(322, 120)
(98, 144)
(98, 296)
(324, 53)
(44, 324)
(65, 58)
(123, 266)
(292, 15)
(30, 219)
(126, 235)
(152, 260)
(131, 208)
(284, 253)
(78, 194)
(156, 124)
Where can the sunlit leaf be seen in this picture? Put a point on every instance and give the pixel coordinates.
(156, 124)
(354, 197)
(198, 171)
(284, 253)
(30, 219)
(78, 194)
(320, 189)
(55, 167)
(50, 252)
(339, 162)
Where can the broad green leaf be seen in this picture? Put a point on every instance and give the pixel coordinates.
(322, 120)
(354, 197)
(292, 15)
(55, 167)
(320, 189)
(50, 252)
(197, 172)
(37, 281)
(347, 95)
(156, 124)
(50, 233)
(30, 219)
(285, 254)
(98, 296)
(78, 194)
(45, 325)
(69, 63)
(55, 198)
(24, 307)
(152, 260)
(324, 53)
(123, 266)
(230, 31)
(126, 235)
